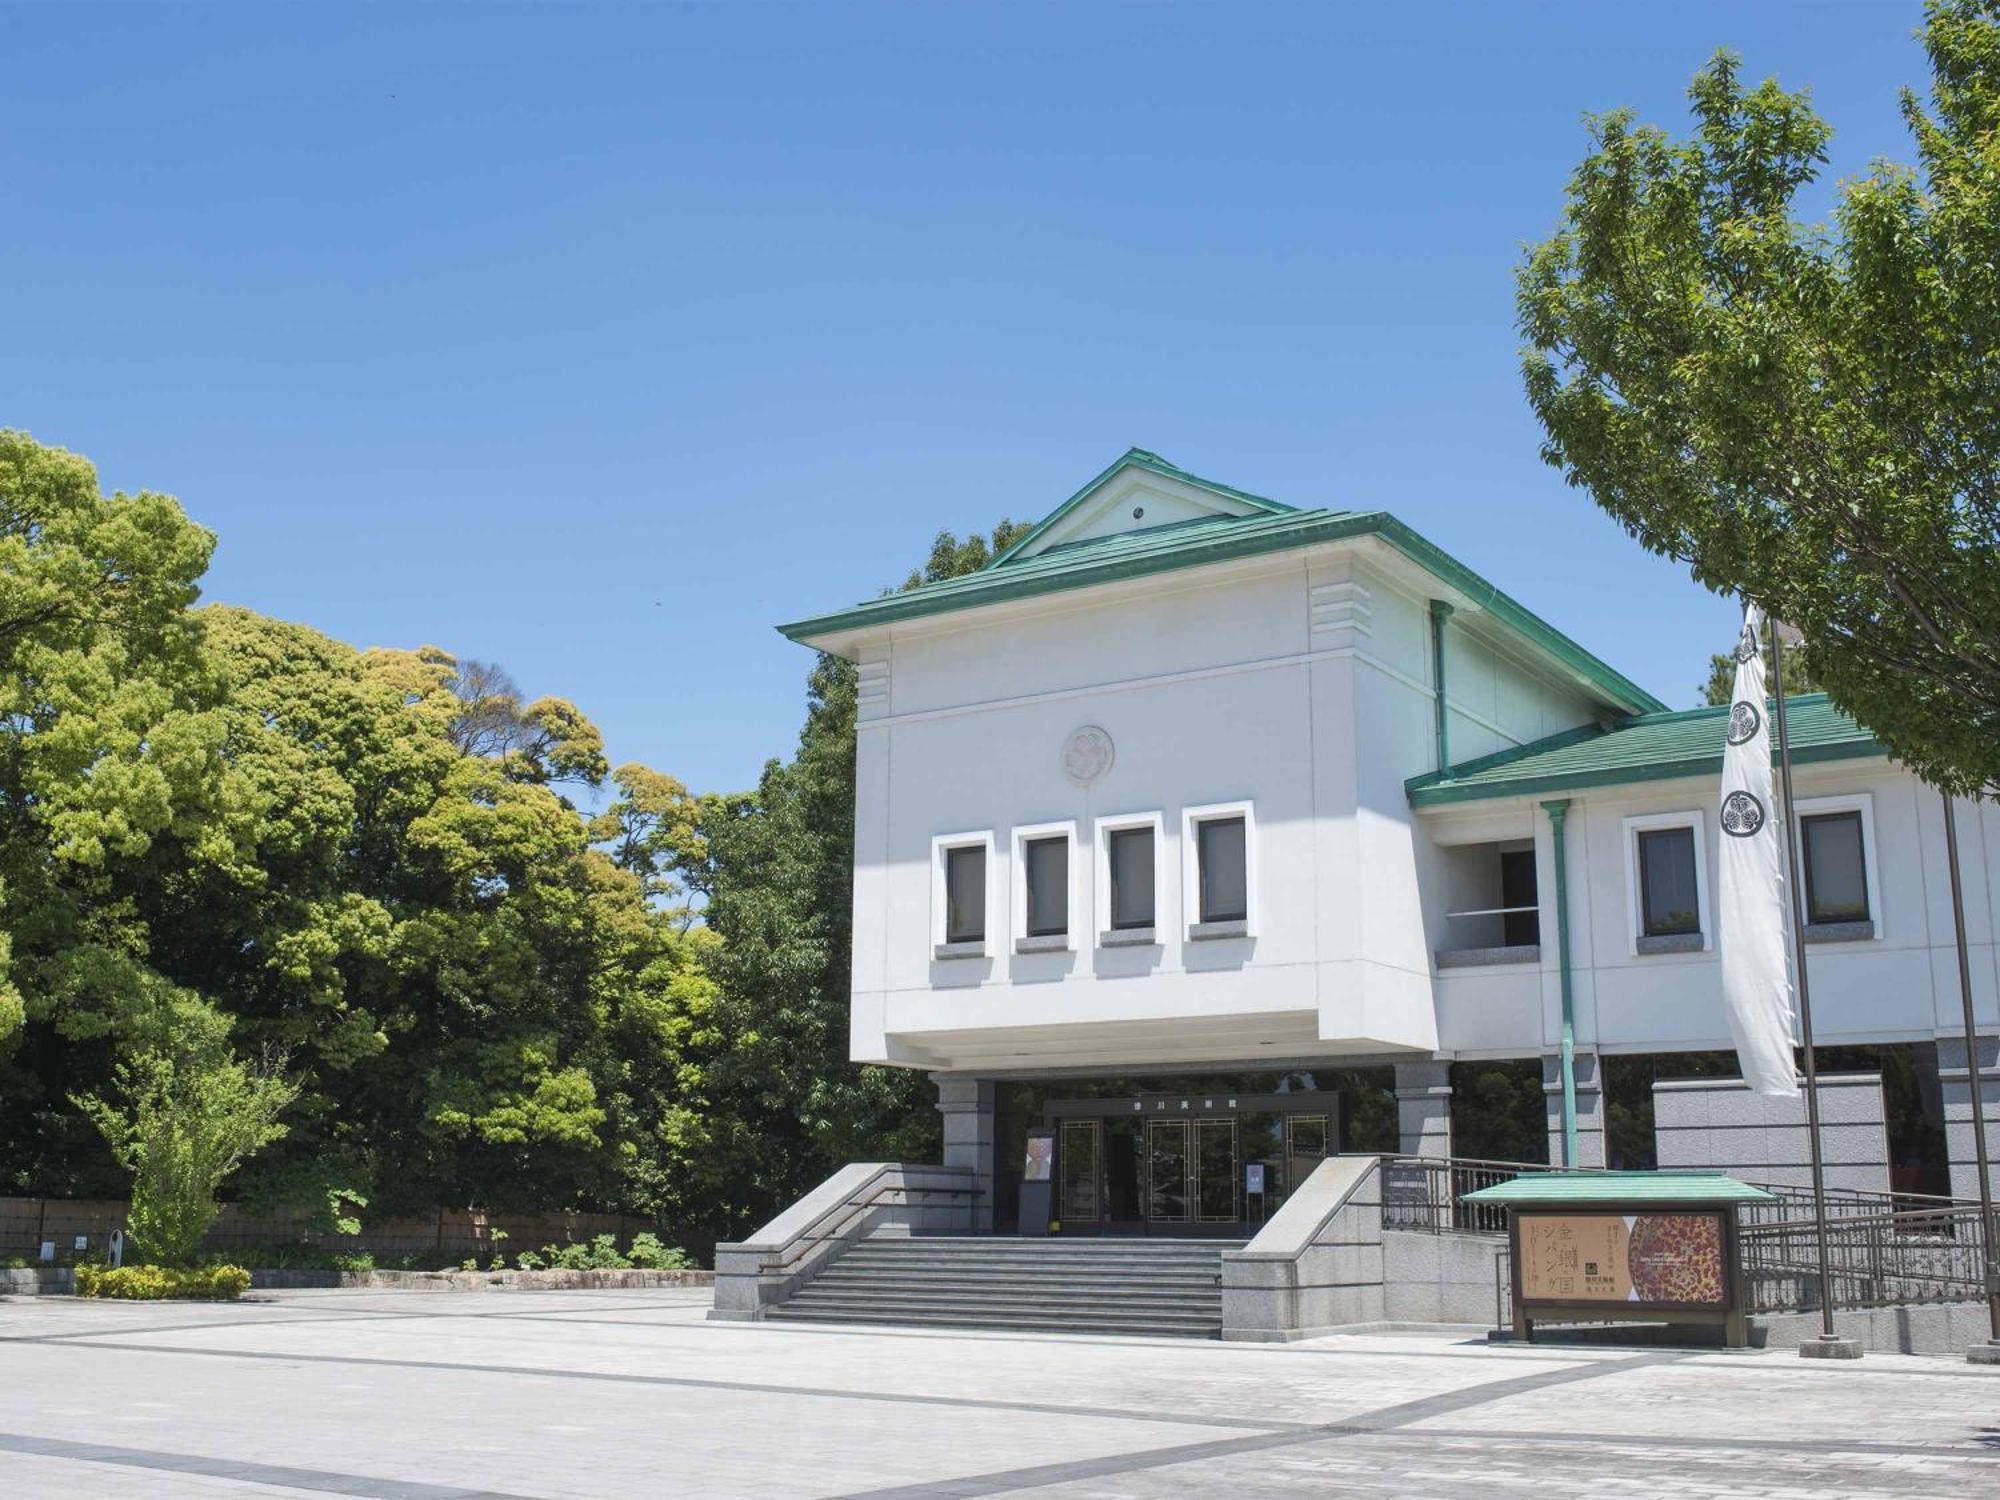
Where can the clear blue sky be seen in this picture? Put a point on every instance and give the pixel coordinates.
(596, 340)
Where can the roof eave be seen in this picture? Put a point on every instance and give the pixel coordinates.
(1606, 682)
(1432, 790)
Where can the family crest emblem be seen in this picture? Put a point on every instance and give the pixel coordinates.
(1086, 755)
(1742, 815)
(1744, 722)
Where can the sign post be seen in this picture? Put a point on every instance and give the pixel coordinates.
(1038, 1183)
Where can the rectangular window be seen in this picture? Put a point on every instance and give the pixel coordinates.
(965, 894)
(1836, 875)
(1520, 918)
(1669, 901)
(1130, 854)
(1225, 873)
(1046, 869)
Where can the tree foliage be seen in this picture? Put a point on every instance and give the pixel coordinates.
(1721, 683)
(185, 1111)
(348, 858)
(1807, 415)
(227, 839)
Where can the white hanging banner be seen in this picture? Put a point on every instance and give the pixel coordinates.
(1756, 985)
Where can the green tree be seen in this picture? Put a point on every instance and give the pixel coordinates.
(776, 867)
(355, 860)
(185, 1112)
(1807, 416)
(1722, 675)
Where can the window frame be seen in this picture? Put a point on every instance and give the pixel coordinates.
(941, 846)
(1023, 836)
(1845, 802)
(1635, 910)
(1191, 820)
(1101, 833)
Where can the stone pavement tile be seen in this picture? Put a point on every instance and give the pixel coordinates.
(632, 1394)
(26, 1477)
(1403, 1464)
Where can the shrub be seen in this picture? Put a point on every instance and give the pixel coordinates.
(527, 1260)
(648, 1254)
(601, 1254)
(151, 1283)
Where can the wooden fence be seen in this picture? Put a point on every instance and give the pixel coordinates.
(28, 1223)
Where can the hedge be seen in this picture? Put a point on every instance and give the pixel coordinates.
(151, 1283)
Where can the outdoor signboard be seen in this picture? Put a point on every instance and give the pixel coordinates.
(1644, 1260)
(1599, 1247)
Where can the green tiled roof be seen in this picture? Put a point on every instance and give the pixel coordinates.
(1137, 458)
(1646, 747)
(1538, 1189)
(1270, 527)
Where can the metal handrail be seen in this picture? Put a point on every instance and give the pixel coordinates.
(1874, 1260)
(1439, 1207)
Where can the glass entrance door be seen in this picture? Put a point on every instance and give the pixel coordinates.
(1178, 1166)
(1215, 1182)
(1167, 1171)
(1081, 1160)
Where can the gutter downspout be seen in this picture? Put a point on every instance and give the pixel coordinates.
(1440, 612)
(1558, 811)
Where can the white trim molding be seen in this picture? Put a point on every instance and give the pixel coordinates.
(1018, 888)
(1191, 820)
(1635, 918)
(1101, 861)
(1863, 803)
(942, 844)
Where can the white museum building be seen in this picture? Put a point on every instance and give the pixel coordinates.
(1215, 836)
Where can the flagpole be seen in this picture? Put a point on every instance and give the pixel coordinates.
(1989, 1353)
(1828, 1344)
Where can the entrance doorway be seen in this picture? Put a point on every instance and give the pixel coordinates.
(1174, 1166)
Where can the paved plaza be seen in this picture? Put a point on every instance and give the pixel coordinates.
(426, 1396)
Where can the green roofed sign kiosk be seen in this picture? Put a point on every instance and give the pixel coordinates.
(1654, 1247)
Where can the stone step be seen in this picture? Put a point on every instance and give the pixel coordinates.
(1027, 1318)
(1051, 1285)
(1158, 1287)
(1057, 1246)
(1029, 1252)
(859, 1259)
(989, 1297)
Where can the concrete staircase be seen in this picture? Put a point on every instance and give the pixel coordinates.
(1122, 1286)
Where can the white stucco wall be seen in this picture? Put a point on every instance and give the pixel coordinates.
(1898, 986)
(1300, 684)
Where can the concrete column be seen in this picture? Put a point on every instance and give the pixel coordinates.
(1957, 1087)
(1589, 1109)
(1423, 1107)
(967, 1107)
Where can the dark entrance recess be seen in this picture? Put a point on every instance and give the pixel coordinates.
(1186, 1164)
(1192, 1176)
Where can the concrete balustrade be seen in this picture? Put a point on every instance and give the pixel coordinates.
(861, 1199)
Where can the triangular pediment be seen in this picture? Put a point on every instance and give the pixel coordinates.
(1140, 492)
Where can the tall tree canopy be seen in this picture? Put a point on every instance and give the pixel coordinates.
(366, 867)
(1808, 416)
(358, 861)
